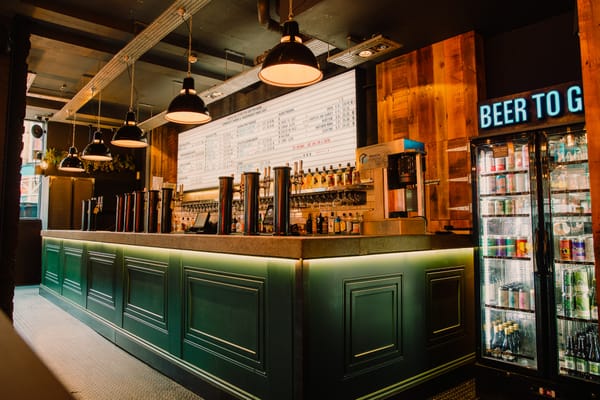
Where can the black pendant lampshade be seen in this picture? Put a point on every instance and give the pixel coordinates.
(129, 135)
(188, 107)
(72, 162)
(96, 150)
(290, 63)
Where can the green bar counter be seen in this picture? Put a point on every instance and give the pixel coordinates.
(272, 317)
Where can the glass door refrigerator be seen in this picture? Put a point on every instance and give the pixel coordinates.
(534, 259)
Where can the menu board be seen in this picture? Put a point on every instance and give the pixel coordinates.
(316, 124)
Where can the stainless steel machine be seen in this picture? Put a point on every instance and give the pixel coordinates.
(397, 200)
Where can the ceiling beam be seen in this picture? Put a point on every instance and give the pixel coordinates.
(140, 44)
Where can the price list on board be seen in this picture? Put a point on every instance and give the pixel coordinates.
(316, 124)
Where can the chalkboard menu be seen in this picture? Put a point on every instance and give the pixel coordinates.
(315, 124)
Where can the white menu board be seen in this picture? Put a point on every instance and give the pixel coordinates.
(316, 124)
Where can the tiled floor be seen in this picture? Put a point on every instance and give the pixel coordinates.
(90, 366)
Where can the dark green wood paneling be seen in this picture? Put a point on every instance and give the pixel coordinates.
(372, 311)
(445, 304)
(52, 264)
(74, 271)
(102, 296)
(145, 310)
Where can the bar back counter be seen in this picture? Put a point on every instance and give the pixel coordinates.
(308, 317)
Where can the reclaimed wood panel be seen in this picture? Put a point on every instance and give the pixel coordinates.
(430, 95)
(163, 152)
(588, 12)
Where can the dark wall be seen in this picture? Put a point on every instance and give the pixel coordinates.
(532, 57)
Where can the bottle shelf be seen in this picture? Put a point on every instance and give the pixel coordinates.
(569, 191)
(507, 258)
(505, 216)
(572, 262)
(555, 164)
(511, 309)
(575, 319)
(504, 172)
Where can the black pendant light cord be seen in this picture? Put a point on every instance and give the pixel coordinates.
(189, 62)
(131, 90)
(99, 105)
(74, 119)
(291, 11)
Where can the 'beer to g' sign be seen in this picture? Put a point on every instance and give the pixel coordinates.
(537, 106)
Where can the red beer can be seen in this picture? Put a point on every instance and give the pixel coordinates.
(565, 248)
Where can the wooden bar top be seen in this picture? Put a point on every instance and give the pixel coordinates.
(295, 247)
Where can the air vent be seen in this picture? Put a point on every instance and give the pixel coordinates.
(365, 51)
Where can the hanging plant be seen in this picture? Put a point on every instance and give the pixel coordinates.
(118, 164)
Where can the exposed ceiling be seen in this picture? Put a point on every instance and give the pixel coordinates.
(72, 41)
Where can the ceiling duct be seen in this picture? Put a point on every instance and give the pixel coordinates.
(368, 50)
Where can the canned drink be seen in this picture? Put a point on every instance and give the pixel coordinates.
(580, 280)
(498, 207)
(523, 299)
(520, 183)
(510, 247)
(511, 185)
(501, 247)
(510, 297)
(567, 281)
(503, 296)
(491, 247)
(578, 249)
(501, 184)
(500, 163)
(567, 301)
(489, 161)
(581, 305)
(589, 245)
(509, 206)
(521, 247)
(518, 160)
(532, 299)
(565, 248)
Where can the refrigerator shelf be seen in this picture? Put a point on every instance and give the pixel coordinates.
(572, 214)
(571, 262)
(504, 215)
(507, 258)
(505, 171)
(568, 191)
(503, 195)
(575, 319)
(511, 309)
(555, 164)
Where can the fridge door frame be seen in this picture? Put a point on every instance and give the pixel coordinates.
(540, 279)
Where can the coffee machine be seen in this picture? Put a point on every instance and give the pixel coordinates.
(397, 199)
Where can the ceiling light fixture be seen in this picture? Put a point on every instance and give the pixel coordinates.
(290, 63)
(72, 162)
(130, 135)
(187, 107)
(97, 150)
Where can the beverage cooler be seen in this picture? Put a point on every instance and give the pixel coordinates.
(537, 305)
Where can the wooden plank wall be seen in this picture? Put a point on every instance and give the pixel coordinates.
(430, 95)
(163, 153)
(588, 12)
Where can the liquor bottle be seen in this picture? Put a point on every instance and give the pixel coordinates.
(325, 225)
(570, 356)
(319, 223)
(338, 179)
(324, 177)
(355, 176)
(347, 175)
(498, 340)
(330, 223)
(330, 177)
(343, 221)
(581, 361)
(234, 224)
(309, 225)
(316, 178)
(507, 348)
(594, 358)
(493, 340)
(516, 340)
(308, 180)
(337, 224)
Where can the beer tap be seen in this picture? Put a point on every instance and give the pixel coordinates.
(297, 177)
(265, 183)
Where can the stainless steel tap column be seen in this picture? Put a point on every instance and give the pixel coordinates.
(225, 204)
(281, 201)
(251, 188)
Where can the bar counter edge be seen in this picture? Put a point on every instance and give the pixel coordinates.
(272, 317)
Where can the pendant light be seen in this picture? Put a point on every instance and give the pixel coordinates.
(72, 162)
(187, 107)
(290, 63)
(130, 135)
(97, 150)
